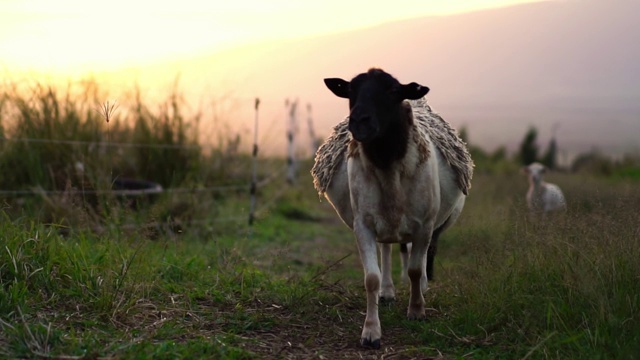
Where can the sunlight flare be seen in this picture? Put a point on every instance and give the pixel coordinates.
(72, 36)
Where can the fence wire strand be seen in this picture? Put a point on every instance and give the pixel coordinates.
(106, 143)
(260, 210)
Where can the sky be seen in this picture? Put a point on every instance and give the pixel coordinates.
(68, 37)
(188, 44)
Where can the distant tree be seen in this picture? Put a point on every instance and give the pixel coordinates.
(477, 153)
(463, 134)
(499, 154)
(550, 156)
(528, 149)
(593, 162)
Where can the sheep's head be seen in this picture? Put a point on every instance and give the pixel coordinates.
(534, 171)
(375, 101)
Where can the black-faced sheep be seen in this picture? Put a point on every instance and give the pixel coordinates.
(395, 172)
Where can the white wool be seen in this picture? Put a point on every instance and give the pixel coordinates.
(542, 197)
(431, 125)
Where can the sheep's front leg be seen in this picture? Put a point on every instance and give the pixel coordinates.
(371, 331)
(418, 276)
(388, 291)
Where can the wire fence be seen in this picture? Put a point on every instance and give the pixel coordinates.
(286, 173)
(117, 192)
(104, 143)
(262, 207)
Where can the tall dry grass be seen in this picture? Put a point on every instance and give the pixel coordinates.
(62, 149)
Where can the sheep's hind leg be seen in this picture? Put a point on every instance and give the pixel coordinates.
(433, 249)
(417, 276)
(404, 260)
(388, 291)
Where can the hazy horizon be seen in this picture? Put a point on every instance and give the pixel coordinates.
(84, 36)
(568, 67)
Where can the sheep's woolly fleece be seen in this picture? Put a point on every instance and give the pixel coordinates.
(334, 150)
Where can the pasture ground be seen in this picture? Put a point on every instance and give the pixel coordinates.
(507, 287)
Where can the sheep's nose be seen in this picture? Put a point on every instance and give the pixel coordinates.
(361, 118)
(358, 115)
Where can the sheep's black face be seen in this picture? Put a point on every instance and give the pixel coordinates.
(375, 102)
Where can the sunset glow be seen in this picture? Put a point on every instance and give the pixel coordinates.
(74, 36)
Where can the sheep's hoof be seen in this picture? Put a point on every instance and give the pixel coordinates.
(367, 343)
(416, 314)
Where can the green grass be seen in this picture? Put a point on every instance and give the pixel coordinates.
(175, 279)
(507, 286)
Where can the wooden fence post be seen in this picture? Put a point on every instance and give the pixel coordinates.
(254, 174)
(291, 161)
(313, 141)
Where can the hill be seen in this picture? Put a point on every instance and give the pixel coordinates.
(572, 65)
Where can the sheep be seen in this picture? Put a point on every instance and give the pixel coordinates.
(395, 172)
(542, 197)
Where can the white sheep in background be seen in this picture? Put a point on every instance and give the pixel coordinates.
(542, 197)
(395, 172)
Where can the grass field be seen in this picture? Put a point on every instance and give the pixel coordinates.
(185, 277)
(506, 288)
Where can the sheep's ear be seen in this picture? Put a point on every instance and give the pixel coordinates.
(413, 91)
(525, 170)
(338, 86)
